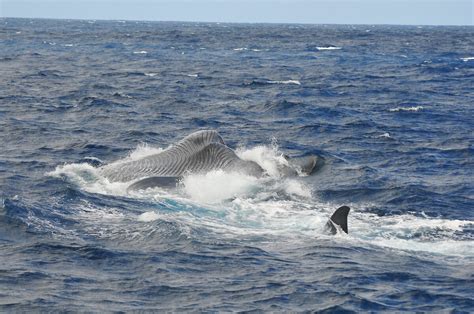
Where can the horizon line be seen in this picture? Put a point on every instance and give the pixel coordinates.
(228, 22)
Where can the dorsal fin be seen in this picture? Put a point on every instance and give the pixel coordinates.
(339, 218)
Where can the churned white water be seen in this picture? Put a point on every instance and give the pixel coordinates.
(237, 205)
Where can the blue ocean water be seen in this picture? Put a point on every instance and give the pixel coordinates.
(390, 108)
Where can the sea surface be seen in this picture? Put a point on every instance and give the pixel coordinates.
(390, 108)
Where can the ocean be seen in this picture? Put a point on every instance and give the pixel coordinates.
(389, 108)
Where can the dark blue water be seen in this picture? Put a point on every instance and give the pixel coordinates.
(390, 108)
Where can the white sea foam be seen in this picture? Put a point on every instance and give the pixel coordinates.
(68, 45)
(385, 135)
(414, 108)
(235, 205)
(269, 158)
(294, 82)
(240, 49)
(87, 177)
(148, 216)
(93, 213)
(192, 75)
(467, 59)
(217, 186)
(140, 52)
(151, 74)
(295, 188)
(409, 232)
(328, 48)
(143, 150)
(92, 158)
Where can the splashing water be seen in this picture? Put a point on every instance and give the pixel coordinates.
(234, 203)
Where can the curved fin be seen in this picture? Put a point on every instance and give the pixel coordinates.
(338, 220)
(152, 182)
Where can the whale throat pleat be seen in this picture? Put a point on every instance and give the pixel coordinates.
(198, 152)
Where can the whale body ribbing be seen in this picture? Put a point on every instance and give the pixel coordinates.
(199, 152)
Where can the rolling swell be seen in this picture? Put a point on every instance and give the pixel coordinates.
(388, 107)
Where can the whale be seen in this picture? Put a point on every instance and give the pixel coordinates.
(197, 153)
(204, 151)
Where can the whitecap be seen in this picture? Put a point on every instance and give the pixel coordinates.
(240, 49)
(93, 159)
(294, 82)
(467, 59)
(328, 48)
(140, 52)
(413, 108)
(385, 135)
(151, 74)
(192, 75)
